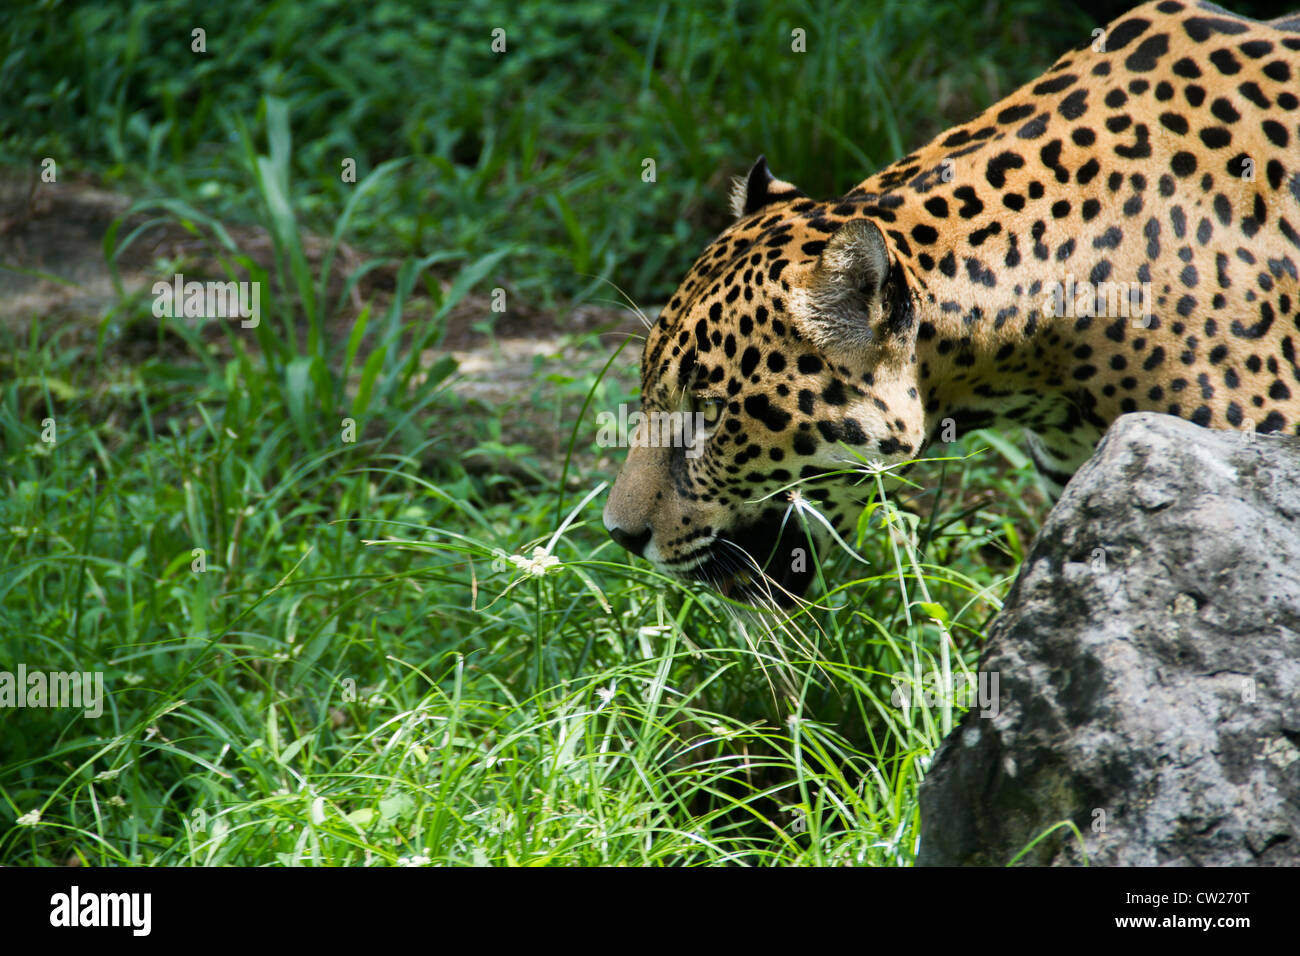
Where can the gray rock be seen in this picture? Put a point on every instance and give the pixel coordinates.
(1148, 657)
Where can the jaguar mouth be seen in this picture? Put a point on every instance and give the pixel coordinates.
(766, 563)
(760, 590)
(732, 583)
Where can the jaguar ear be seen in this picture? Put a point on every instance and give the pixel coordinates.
(758, 189)
(848, 290)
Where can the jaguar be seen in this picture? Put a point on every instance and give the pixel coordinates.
(1121, 234)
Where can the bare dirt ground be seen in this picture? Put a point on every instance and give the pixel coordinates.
(515, 369)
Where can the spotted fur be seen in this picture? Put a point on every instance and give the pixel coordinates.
(829, 332)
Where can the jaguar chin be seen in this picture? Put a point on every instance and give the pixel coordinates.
(768, 563)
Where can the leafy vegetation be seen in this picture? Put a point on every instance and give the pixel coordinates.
(539, 148)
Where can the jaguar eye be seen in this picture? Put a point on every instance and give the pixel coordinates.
(710, 409)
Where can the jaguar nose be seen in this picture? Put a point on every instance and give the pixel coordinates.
(633, 542)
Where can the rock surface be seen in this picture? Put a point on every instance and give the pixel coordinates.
(1149, 665)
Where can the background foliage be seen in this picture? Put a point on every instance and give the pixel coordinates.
(539, 149)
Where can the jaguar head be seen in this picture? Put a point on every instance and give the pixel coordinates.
(783, 363)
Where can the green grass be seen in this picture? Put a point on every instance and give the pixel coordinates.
(369, 670)
(320, 651)
(359, 677)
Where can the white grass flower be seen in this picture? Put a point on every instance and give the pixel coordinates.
(30, 819)
(606, 694)
(876, 466)
(538, 564)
